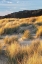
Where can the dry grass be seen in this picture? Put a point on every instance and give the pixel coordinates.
(8, 26)
(17, 54)
(26, 35)
(30, 54)
(12, 49)
(1, 31)
(11, 52)
(39, 32)
(35, 60)
(0, 48)
(9, 40)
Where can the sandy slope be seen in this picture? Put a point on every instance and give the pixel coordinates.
(3, 59)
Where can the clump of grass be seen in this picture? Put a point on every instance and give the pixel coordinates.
(1, 31)
(35, 59)
(16, 54)
(31, 54)
(40, 49)
(39, 32)
(34, 46)
(9, 40)
(11, 52)
(26, 35)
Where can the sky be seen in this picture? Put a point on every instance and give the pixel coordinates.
(10, 6)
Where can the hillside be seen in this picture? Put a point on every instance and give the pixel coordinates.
(13, 25)
(24, 14)
(21, 40)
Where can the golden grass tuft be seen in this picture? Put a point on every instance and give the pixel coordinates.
(9, 40)
(0, 48)
(12, 49)
(39, 32)
(1, 30)
(11, 52)
(26, 35)
(35, 59)
(34, 45)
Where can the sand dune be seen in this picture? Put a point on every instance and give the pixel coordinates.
(20, 32)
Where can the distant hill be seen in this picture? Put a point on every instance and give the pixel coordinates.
(24, 14)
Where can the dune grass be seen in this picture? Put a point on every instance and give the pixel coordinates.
(29, 54)
(39, 32)
(26, 35)
(17, 54)
(11, 25)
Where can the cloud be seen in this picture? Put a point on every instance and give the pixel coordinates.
(9, 2)
(6, 1)
(17, 2)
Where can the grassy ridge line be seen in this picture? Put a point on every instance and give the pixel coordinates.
(10, 25)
